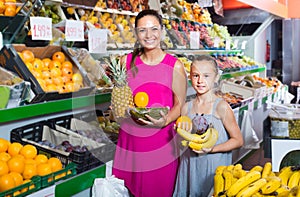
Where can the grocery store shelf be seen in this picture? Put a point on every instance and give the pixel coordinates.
(243, 72)
(204, 51)
(33, 110)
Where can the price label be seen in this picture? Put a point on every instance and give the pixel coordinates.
(41, 28)
(227, 44)
(205, 3)
(235, 44)
(97, 40)
(217, 42)
(74, 30)
(244, 44)
(194, 39)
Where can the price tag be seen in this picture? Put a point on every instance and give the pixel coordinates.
(235, 44)
(227, 44)
(217, 42)
(205, 3)
(244, 44)
(259, 103)
(194, 39)
(74, 30)
(251, 106)
(41, 28)
(97, 40)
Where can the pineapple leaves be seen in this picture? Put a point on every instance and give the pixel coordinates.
(118, 71)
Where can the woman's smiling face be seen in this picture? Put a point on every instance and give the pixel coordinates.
(149, 32)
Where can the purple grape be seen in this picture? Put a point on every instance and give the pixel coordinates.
(200, 124)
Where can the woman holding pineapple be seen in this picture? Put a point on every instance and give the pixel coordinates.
(146, 156)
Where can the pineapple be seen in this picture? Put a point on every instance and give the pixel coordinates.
(121, 96)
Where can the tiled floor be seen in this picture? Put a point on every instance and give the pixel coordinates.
(256, 157)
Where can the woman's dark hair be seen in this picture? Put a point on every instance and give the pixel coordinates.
(138, 50)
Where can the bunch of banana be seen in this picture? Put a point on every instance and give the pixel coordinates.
(198, 142)
(232, 180)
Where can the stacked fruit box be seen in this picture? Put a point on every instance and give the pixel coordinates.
(11, 60)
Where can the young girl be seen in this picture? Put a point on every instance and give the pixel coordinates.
(196, 171)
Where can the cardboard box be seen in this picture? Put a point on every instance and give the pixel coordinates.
(10, 60)
(14, 91)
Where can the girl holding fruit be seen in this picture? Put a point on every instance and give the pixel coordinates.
(197, 167)
(146, 157)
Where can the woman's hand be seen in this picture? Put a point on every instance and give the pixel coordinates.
(161, 122)
(203, 150)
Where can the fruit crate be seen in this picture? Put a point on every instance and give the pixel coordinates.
(33, 133)
(68, 171)
(11, 25)
(101, 154)
(10, 60)
(25, 189)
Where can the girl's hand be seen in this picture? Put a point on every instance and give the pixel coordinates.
(184, 125)
(204, 150)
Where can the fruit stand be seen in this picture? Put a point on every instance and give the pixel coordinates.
(94, 92)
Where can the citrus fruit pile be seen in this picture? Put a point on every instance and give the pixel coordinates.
(19, 163)
(9, 7)
(54, 74)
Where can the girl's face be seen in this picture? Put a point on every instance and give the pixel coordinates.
(203, 76)
(149, 32)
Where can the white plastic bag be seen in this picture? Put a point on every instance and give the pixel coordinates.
(251, 140)
(109, 187)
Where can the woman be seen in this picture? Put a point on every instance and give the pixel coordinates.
(146, 156)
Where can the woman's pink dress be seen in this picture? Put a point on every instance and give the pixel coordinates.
(146, 157)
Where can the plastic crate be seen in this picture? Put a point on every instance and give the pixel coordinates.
(65, 173)
(10, 60)
(25, 189)
(33, 133)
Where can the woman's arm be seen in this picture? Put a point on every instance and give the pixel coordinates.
(235, 136)
(179, 87)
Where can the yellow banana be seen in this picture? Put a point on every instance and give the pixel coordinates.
(243, 182)
(218, 184)
(193, 137)
(230, 167)
(228, 177)
(273, 184)
(285, 173)
(293, 191)
(266, 170)
(282, 191)
(208, 144)
(238, 166)
(252, 188)
(219, 169)
(294, 179)
(257, 194)
(239, 173)
(256, 168)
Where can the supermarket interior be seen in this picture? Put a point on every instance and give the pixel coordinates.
(63, 96)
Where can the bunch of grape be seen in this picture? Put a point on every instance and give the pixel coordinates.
(200, 124)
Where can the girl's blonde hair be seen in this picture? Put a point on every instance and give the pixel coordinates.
(207, 58)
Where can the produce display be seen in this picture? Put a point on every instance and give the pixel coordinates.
(53, 74)
(21, 163)
(233, 180)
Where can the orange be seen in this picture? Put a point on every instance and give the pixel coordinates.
(67, 64)
(54, 64)
(48, 81)
(3, 168)
(55, 72)
(29, 66)
(141, 99)
(42, 83)
(44, 169)
(3, 145)
(18, 178)
(2, 7)
(66, 71)
(77, 78)
(38, 64)
(28, 151)
(77, 86)
(28, 55)
(58, 81)
(46, 74)
(6, 182)
(59, 56)
(55, 163)
(69, 87)
(51, 88)
(4, 156)
(183, 119)
(14, 148)
(36, 73)
(30, 170)
(66, 79)
(10, 10)
(41, 158)
(30, 161)
(16, 164)
(61, 89)
(46, 61)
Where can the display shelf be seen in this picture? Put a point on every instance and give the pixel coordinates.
(241, 73)
(32, 110)
(203, 51)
